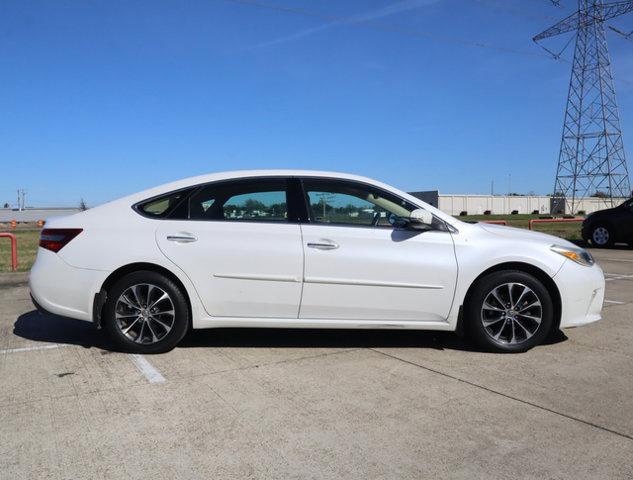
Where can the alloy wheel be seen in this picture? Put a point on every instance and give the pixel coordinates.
(600, 236)
(144, 313)
(511, 313)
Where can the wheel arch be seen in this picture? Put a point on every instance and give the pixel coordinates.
(101, 298)
(541, 275)
(605, 221)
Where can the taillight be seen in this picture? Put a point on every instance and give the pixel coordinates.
(54, 239)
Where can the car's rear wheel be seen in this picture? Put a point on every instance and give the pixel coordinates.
(146, 312)
(601, 236)
(509, 311)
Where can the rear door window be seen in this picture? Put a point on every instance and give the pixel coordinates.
(269, 199)
(263, 200)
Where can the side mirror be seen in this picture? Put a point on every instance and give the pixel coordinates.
(420, 219)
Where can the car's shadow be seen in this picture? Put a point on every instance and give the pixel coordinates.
(55, 329)
(44, 327)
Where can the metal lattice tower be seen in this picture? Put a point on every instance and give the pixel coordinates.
(591, 155)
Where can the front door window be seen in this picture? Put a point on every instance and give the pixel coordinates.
(336, 202)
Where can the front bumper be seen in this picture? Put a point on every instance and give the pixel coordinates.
(582, 294)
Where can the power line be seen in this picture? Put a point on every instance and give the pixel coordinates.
(626, 36)
(401, 30)
(515, 11)
(384, 27)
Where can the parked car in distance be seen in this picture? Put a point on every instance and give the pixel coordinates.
(305, 249)
(604, 228)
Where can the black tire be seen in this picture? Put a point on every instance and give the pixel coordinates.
(179, 322)
(598, 232)
(512, 325)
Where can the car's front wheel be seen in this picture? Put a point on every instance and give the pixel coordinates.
(601, 236)
(146, 312)
(509, 311)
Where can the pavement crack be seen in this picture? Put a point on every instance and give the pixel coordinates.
(505, 395)
(269, 364)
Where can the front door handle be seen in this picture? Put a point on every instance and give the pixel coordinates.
(182, 238)
(323, 245)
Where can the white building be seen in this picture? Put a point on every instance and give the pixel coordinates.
(454, 204)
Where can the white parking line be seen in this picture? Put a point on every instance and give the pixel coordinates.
(30, 349)
(147, 369)
(616, 276)
(614, 302)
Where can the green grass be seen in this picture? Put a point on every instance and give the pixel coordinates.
(569, 231)
(28, 237)
(28, 240)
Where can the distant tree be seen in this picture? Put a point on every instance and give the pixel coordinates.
(251, 205)
(278, 210)
(82, 205)
(599, 194)
(6, 205)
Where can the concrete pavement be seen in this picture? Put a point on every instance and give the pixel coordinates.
(317, 404)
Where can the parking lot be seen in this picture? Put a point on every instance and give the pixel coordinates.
(316, 404)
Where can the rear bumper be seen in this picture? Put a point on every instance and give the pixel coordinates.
(582, 294)
(59, 288)
(37, 306)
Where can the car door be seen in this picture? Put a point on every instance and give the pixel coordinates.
(360, 267)
(240, 244)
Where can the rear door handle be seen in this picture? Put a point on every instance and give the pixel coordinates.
(182, 238)
(323, 245)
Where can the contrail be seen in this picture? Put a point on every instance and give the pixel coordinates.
(398, 7)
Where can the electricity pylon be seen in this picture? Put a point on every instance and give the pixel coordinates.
(591, 157)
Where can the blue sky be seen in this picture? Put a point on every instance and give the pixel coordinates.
(104, 98)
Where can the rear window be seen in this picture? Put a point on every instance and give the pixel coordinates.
(162, 206)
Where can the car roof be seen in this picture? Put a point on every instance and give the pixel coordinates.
(234, 174)
(238, 174)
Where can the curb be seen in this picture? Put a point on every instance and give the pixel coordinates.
(13, 279)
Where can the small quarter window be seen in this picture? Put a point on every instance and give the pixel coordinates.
(162, 206)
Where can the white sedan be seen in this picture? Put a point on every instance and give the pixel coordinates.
(305, 249)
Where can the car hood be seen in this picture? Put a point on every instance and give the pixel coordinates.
(523, 234)
(605, 212)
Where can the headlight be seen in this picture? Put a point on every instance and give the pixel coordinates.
(578, 255)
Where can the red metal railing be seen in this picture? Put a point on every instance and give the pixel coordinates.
(14, 249)
(496, 222)
(553, 220)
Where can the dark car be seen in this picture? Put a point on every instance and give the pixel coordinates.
(613, 225)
